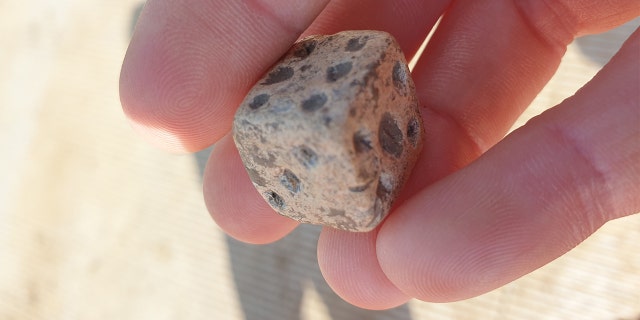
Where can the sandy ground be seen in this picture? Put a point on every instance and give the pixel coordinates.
(96, 224)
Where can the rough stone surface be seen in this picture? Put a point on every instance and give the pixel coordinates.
(330, 134)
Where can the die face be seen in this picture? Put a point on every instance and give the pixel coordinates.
(329, 135)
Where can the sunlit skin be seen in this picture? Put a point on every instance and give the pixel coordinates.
(480, 210)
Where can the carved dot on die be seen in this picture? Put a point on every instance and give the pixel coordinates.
(306, 156)
(275, 200)
(390, 136)
(290, 181)
(413, 131)
(338, 71)
(314, 102)
(305, 48)
(362, 141)
(278, 75)
(355, 44)
(258, 101)
(400, 76)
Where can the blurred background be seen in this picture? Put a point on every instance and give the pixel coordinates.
(97, 224)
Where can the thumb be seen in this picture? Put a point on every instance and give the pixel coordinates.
(531, 198)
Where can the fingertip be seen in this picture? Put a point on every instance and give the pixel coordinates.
(171, 98)
(348, 263)
(234, 203)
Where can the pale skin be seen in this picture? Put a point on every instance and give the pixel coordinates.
(480, 209)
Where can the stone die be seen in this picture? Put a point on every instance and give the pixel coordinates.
(330, 134)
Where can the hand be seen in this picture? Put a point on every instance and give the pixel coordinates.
(479, 210)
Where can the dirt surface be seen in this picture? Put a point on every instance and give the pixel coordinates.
(96, 224)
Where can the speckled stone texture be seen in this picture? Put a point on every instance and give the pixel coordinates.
(330, 134)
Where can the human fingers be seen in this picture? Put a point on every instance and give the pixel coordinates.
(190, 63)
(528, 200)
(241, 223)
(484, 65)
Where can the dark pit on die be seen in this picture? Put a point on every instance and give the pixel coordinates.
(259, 101)
(278, 75)
(306, 156)
(338, 71)
(290, 181)
(390, 135)
(275, 200)
(314, 102)
(355, 44)
(305, 48)
(399, 76)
